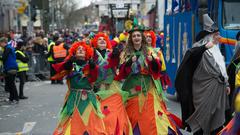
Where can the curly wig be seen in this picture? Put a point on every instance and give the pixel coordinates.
(154, 38)
(74, 47)
(95, 40)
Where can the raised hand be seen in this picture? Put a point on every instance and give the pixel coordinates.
(134, 58)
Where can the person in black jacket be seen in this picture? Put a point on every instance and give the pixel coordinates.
(22, 61)
(201, 83)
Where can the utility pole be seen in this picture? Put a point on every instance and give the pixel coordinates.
(30, 23)
(52, 10)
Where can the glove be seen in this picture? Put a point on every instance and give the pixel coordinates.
(92, 64)
(72, 59)
(68, 64)
(115, 52)
(129, 62)
(155, 67)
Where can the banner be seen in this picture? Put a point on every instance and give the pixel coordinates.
(21, 6)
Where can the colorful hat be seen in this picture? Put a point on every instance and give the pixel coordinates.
(116, 39)
(136, 26)
(123, 36)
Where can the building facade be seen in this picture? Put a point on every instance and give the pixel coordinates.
(8, 16)
(115, 13)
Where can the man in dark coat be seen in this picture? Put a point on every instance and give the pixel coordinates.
(184, 74)
(201, 83)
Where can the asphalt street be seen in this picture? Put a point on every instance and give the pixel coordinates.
(38, 115)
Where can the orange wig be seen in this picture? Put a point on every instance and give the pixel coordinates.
(74, 47)
(153, 36)
(95, 40)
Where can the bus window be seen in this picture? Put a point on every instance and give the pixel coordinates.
(213, 10)
(169, 7)
(231, 10)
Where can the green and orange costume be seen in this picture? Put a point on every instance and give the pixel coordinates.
(111, 97)
(81, 113)
(146, 109)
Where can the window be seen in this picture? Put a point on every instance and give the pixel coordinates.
(231, 18)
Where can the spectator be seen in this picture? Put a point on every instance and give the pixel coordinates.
(39, 49)
(22, 61)
(10, 69)
(11, 40)
(58, 52)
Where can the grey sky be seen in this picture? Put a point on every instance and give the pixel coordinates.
(84, 3)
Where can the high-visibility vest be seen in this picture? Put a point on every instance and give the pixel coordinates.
(50, 58)
(21, 65)
(59, 51)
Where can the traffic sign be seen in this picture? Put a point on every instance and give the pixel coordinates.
(119, 13)
(120, 5)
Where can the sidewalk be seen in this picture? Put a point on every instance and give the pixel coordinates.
(3, 95)
(32, 81)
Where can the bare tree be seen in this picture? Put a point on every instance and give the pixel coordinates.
(69, 18)
(65, 9)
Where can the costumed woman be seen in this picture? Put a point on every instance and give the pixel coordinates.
(233, 127)
(151, 42)
(141, 71)
(81, 114)
(111, 97)
(231, 71)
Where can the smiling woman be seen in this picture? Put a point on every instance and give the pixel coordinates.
(140, 71)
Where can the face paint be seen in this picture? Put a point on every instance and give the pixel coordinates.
(81, 52)
(148, 39)
(102, 44)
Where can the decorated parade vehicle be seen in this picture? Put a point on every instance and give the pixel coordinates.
(183, 20)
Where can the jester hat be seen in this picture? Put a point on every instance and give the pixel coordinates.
(136, 26)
